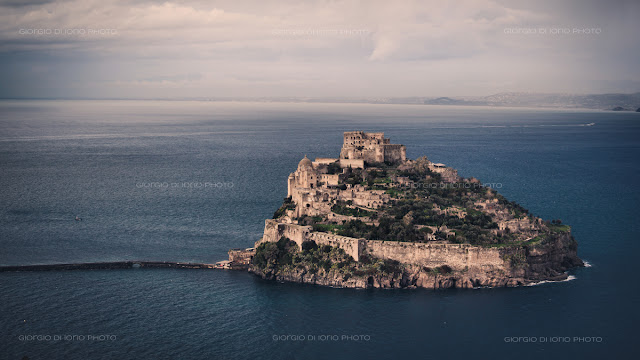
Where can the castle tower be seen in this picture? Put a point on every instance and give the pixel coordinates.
(370, 147)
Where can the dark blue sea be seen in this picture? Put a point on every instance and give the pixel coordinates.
(97, 159)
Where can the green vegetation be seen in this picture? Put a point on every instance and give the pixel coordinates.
(334, 168)
(425, 209)
(516, 259)
(354, 177)
(559, 228)
(286, 205)
(535, 241)
(343, 208)
(394, 193)
(285, 255)
(327, 227)
(388, 229)
(274, 254)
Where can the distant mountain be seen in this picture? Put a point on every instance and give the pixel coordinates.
(619, 102)
(615, 102)
(448, 101)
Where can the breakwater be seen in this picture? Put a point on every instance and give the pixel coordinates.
(109, 265)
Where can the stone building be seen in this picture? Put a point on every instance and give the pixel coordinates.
(305, 176)
(448, 174)
(315, 185)
(371, 148)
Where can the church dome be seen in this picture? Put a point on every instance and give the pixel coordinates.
(305, 162)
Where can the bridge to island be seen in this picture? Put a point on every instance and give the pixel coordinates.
(129, 264)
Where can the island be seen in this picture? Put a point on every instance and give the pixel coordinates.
(372, 218)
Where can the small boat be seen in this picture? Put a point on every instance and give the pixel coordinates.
(78, 218)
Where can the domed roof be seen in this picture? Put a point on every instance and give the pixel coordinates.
(304, 162)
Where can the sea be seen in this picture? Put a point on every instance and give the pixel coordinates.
(188, 180)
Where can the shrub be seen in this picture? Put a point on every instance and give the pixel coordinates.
(266, 253)
(308, 246)
(286, 205)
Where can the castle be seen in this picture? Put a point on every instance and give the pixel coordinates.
(315, 185)
(371, 203)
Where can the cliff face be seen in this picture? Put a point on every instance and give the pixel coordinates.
(550, 261)
(413, 277)
(522, 265)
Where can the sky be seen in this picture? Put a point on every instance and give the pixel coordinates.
(352, 49)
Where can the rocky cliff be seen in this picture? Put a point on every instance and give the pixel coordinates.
(523, 265)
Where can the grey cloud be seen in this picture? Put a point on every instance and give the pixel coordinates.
(23, 3)
(313, 48)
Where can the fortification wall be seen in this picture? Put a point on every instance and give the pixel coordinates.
(350, 245)
(352, 163)
(273, 231)
(241, 256)
(325, 161)
(457, 256)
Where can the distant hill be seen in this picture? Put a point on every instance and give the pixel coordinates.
(614, 101)
(619, 102)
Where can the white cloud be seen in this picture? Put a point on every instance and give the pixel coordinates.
(317, 47)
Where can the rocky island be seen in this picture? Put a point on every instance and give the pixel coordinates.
(373, 218)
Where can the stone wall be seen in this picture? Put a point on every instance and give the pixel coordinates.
(330, 179)
(241, 256)
(351, 246)
(395, 153)
(273, 231)
(324, 161)
(457, 256)
(449, 175)
(352, 163)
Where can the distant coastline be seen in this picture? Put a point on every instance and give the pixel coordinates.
(619, 102)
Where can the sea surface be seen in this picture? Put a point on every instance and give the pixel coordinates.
(186, 181)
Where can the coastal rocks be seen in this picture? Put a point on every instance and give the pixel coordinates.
(551, 260)
(548, 261)
(410, 278)
(303, 276)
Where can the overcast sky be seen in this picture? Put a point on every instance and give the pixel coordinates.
(148, 49)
